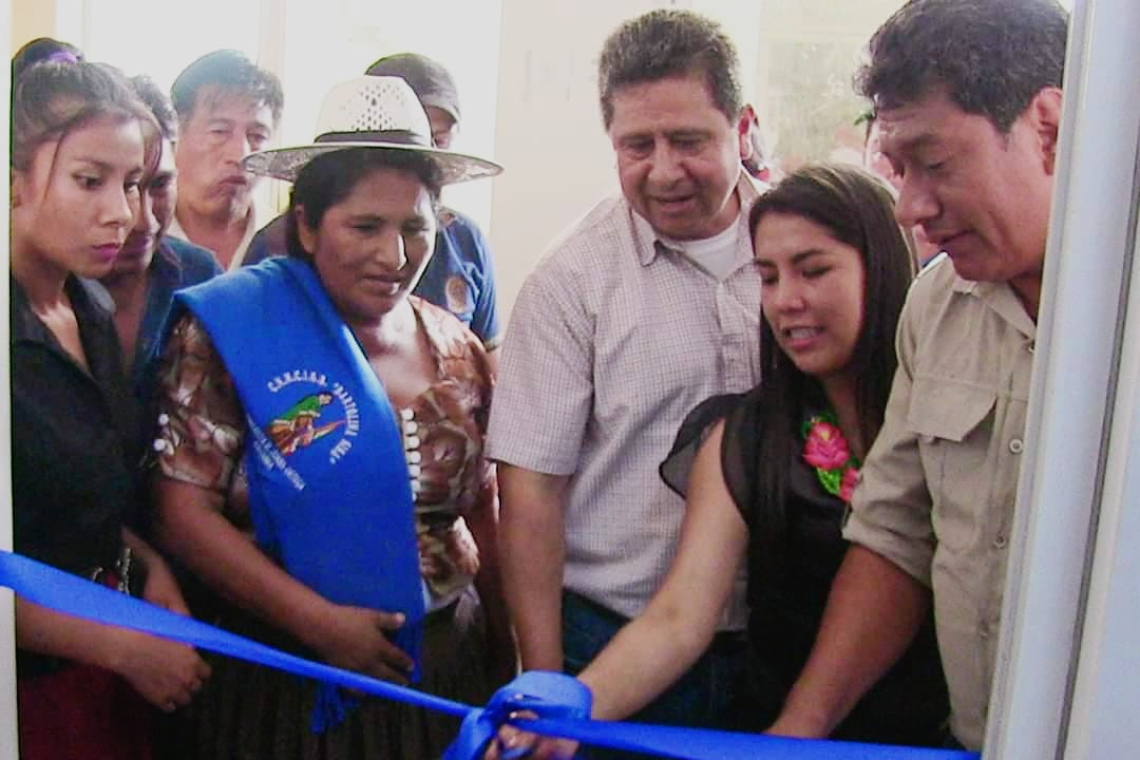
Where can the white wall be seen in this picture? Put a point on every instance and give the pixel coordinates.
(344, 38)
(525, 69)
(310, 45)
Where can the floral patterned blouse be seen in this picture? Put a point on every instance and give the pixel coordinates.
(202, 433)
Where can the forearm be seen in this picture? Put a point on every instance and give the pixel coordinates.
(489, 580)
(532, 555)
(489, 584)
(206, 543)
(502, 649)
(44, 631)
(873, 612)
(532, 586)
(141, 549)
(165, 673)
(674, 630)
(643, 660)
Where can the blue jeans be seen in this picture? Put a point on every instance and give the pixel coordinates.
(699, 699)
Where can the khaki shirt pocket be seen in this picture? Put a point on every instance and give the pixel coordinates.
(953, 424)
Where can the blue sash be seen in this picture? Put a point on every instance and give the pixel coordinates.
(329, 488)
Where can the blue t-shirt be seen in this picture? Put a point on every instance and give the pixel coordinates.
(459, 278)
(176, 264)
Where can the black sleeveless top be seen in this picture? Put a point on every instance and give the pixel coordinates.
(909, 705)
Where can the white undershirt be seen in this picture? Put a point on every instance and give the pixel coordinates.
(716, 254)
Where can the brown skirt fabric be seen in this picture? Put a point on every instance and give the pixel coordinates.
(248, 712)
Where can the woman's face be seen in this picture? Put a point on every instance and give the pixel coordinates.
(73, 207)
(158, 194)
(371, 248)
(811, 292)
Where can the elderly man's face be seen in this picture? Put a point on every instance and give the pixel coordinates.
(224, 128)
(981, 196)
(678, 156)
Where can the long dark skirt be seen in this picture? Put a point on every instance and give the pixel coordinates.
(247, 712)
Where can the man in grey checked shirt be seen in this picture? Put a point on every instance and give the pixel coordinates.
(648, 306)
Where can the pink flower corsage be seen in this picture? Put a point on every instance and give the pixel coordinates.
(827, 451)
(847, 486)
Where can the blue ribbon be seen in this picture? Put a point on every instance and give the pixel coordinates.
(561, 702)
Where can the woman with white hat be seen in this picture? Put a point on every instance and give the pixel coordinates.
(320, 451)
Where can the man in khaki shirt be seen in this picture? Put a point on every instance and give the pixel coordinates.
(967, 95)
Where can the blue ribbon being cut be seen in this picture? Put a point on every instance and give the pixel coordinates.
(561, 702)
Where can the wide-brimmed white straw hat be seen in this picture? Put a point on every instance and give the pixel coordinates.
(370, 112)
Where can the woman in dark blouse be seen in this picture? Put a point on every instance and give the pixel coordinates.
(767, 475)
(80, 147)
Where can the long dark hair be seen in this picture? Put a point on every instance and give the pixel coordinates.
(855, 208)
(51, 99)
(41, 50)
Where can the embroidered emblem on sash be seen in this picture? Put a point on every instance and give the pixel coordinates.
(317, 414)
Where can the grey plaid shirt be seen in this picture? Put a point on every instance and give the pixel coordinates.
(613, 340)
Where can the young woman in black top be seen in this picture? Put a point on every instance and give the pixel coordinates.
(81, 143)
(768, 474)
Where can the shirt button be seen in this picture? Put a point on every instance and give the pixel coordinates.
(163, 419)
(984, 631)
(410, 428)
(414, 457)
(407, 414)
(411, 442)
(414, 470)
(999, 542)
(1016, 446)
(1031, 348)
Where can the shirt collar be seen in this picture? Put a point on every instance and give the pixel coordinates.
(176, 230)
(649, 245)
(89, 300)
(1000, 298)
